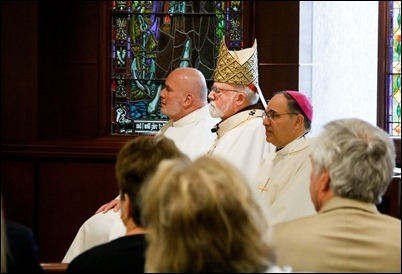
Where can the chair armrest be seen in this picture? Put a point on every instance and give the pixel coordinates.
(51, 267)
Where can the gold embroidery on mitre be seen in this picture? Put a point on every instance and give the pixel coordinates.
(237, 67)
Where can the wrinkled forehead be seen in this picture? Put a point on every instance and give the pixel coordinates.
(175, 80)
(225, 85)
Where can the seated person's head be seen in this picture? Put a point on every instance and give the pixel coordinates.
(185, 91)
(288, 115)
(136, 160)
(354, 159)
(235, 81)
(203, 217)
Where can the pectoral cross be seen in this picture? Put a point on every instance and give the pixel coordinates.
(264, 188)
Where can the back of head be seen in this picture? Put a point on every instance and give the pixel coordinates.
(202, 217)
(360, 159)
(137, 160)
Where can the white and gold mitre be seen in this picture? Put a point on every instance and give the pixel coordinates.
(237, 67)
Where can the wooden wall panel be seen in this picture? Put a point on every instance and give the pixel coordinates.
(277, 31)
(79, 117)
(69, 77)
(19, 70)
(276, 27)
(18, 191)
(391, 201)
(278, 77)
(69, 193)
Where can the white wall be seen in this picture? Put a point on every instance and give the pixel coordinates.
(338, 57)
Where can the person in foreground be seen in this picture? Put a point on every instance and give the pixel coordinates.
(3, 242)
(284, 176)
(352, 166)
(184, 101)
(203, 217)
(19, 249)
(136, 161)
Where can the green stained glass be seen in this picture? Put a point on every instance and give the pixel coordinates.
(121, 5)
(394, 65)
(151, 38)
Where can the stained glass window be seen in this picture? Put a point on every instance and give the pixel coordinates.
(394, 70)
(151, 38)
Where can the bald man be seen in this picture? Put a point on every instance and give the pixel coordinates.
(184, 101)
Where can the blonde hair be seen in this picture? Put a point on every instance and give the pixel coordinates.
(203, 217)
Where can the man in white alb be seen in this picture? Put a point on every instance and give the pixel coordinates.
(236, 98)
(284, 176)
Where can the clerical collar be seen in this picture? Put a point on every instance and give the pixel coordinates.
(278, 148)
(302, 136)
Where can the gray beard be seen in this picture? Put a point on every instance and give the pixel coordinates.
(214, 112)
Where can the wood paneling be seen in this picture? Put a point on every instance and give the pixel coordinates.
(278, 77)
(18, 187)
(70, 191)
(69, 79)
(54, 193)
(19, 70)
(276, 27)
(391, 202)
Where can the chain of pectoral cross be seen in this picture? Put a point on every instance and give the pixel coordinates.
(213, 146)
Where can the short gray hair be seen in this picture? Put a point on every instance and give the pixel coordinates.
(359, 157)
(252, 96)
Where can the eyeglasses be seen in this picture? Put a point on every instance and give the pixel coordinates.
(271, 115)
(220, 91)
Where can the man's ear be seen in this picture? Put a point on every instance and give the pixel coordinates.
(188, 99)
(241, 98)
(300, 121)
(125, 207)
(324, 180)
